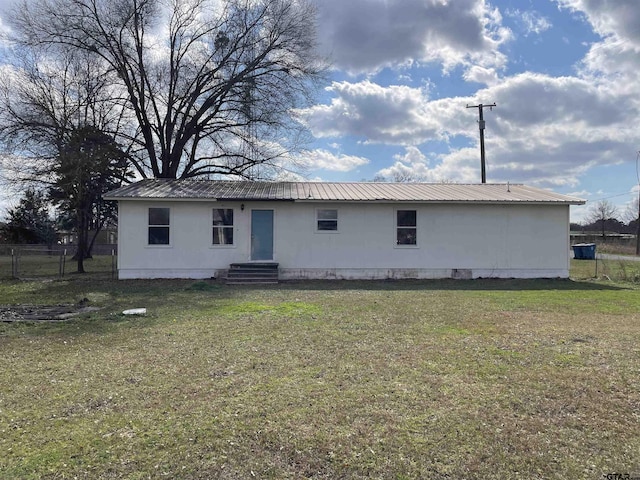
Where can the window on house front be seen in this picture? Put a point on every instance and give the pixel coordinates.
(327, 220)
(406, 227)
(223, 226)
(158, 226)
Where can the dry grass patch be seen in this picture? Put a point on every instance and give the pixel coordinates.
(487, 379)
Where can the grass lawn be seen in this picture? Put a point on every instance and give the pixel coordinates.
(445, 379)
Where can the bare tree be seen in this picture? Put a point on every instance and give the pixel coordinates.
(600, 212)
(46, 104)
(408, 176)
(208, 85)
(43, 100)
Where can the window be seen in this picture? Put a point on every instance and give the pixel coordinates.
(406, 227)
(158, 226)
(327, 220)
(223, 226)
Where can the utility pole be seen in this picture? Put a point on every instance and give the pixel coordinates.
(481, 125)
(638, 226)
(638, 220)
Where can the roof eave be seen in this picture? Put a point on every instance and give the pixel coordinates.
(320, 200)
(160, 199)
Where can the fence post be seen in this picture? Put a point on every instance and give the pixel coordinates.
(60, 271)
(13, 264)
(16, 273)
(113, 264)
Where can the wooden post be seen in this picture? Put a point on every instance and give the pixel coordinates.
(60, 268)
(113, 264)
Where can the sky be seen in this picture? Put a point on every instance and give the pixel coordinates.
(562, 73)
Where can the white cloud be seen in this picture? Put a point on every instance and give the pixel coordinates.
(551, 131)
(580, 194)
(534, 23)
(613, 60)
(617, 18)
(459, 166)
(395, 114)
(545, 130)
(412, 155)
(5, 30)
(368, 35)
(325, 160)
(556, 103)
(487, 76)
(530, 21)
(617, 56)
(289, 176)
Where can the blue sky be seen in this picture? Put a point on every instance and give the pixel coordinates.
(563, 74)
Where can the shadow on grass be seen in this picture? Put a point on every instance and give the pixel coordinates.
(82, 325)
(450, 284)
(177, 296)
(165, 292)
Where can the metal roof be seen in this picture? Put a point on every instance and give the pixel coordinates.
(189, 189)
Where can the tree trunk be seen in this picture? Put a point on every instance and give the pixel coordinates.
(83, 234)
(93, 239)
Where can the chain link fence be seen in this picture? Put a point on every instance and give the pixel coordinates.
(41, 261)
(617, 268)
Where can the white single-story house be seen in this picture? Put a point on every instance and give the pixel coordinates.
(321, 230)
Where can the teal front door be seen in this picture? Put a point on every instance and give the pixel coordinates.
(261, 234)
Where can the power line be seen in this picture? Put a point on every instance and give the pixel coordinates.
(626, 193)
(612, 196)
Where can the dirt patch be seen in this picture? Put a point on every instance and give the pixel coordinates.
(42, 313)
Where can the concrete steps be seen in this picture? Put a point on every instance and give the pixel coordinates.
(252, 273)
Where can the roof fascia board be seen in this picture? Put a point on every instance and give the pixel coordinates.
(161, 199)
(456, 202)
(198, 199)
(434, 202)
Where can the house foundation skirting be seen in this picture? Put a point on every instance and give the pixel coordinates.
(416, 273)
(195, 273)
(356, 273)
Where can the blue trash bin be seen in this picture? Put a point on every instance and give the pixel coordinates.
(584, 251)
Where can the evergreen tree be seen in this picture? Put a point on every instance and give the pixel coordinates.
(30, 222)
(90, 164)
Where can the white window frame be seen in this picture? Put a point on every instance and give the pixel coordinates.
(317, 220)
(396, 227)
(150, 225)
(232, 227)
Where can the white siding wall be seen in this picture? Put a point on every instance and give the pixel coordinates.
(477, 240)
